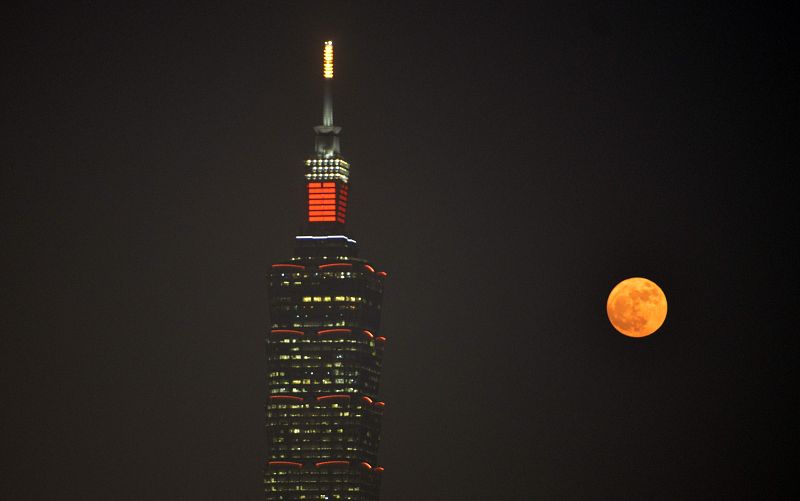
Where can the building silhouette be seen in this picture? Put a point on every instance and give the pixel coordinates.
(324, 347)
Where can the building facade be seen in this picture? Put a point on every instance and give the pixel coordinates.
(324, 345)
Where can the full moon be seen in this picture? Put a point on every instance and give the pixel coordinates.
(636, 307)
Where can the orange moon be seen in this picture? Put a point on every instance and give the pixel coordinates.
(636, 307)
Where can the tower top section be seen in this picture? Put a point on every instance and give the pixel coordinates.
(327, 173)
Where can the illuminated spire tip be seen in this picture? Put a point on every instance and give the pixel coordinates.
(327, 60)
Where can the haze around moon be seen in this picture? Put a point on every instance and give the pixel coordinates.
(636, 307)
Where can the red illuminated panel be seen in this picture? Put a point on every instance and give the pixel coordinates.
(370, 268)
(285, 463)
(332, 331)
(380, 404)
(381, 273)
(282, 265)
(378, 469)
(330, 463)
(342, 215)
(286, 331)
(328, 397)
(366, 399)
(366, 465)
(327, 202)
(286, 397)
(369, 334)
(332, 265)
(380, 338)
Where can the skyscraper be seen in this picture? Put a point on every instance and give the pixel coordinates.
(324, 348)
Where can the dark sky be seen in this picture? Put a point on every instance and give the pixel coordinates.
(510, 164)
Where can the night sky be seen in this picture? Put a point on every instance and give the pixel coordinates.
(510, 164)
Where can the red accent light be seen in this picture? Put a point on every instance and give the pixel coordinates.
(380, 404)
(286, 331)
(326, 463)
(322, 190)
(284, 265)
(331, 265)
(366, 465)
(314, 185)
(331, 331)
(366, 399)
(370, 268)
(382, 273)
(378, 468)
(285, 397)
(380, 338)
(315, 219)
(285, 463)
(368, 333)
(328, 397)
(328, 185)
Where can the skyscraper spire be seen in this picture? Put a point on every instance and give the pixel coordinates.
(327, 140)
(327, 75)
